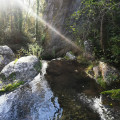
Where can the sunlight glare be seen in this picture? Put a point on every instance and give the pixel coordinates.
(25, 5)
(33, 14)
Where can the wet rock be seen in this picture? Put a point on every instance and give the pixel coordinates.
(6, 56)
(23, 69)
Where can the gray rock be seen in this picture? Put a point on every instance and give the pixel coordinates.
(6, 56)
(88, 49)
(70, 56)
(23, 69)
(109, 73)
(106, 73)
(96, 72)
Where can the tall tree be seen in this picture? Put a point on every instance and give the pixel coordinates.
(37, 22)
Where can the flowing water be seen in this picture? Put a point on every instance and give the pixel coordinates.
(33, 101)
(36, 101)
(105, 112)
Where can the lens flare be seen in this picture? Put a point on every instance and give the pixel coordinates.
(26, 7)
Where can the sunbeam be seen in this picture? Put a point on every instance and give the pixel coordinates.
(26, 7)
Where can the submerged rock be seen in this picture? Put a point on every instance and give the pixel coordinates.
(6, 56)
(23, 69)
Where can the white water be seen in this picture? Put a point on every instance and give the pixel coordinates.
(33, 101)
(105, 113)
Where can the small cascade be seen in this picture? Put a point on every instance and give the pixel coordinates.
(32, 101)
(105, 112)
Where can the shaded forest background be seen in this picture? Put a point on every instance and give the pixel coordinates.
(96, 21)
(18, 29)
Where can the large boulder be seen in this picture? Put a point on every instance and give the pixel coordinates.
(6, 56)
(23, 69)
(104, 73)
(109, 73)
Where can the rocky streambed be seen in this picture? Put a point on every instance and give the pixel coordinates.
(78, 94)
(61, 91)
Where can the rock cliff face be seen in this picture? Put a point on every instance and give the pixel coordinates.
(57, 13)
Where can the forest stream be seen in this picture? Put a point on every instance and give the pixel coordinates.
(59, 59)
(62, 91)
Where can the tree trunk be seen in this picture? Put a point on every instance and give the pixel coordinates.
(101, 33)
(37, 24)
(20, 19)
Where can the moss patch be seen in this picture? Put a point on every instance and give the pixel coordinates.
(15, 60)
(12, 76)
(2, 77)
(83, 60)
(113, 94)
(66, 58)
(89, 68)
(11, 87)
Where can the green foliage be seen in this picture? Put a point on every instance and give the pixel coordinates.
(33, 49)
(11, 87)
(81, 59)
(66, 58)
(113, 94)
(113, 77)
(89, 68)
(101, 82)
(98, 21)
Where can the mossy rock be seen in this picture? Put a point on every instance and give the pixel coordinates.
(113, 94)
(11, 86)
(12, 76)
(2, 77)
